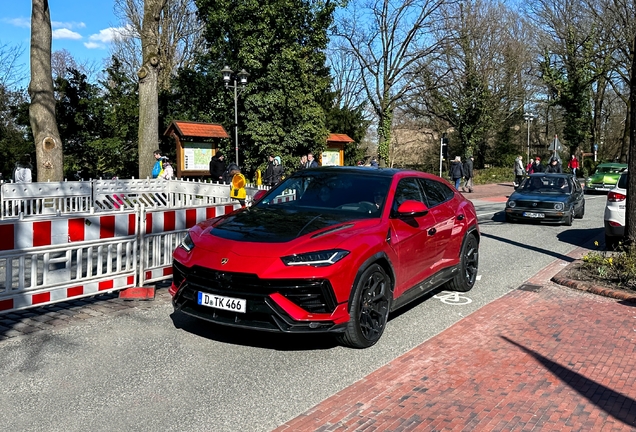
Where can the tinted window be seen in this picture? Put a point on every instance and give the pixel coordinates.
(435, 192)
(331, 191)
(407, 189)
(622, 182)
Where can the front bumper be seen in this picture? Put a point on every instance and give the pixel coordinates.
(281, 305)
(530, 214)
(614, 231)
(600, 187)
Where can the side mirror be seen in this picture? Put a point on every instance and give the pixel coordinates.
(258, 196)
(412, 208)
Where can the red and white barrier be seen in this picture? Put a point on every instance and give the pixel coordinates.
(56, 295)
(163, 231)
(26, 234)
(44, 261)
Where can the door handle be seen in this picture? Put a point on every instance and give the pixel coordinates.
(432, 231)
(460, 217)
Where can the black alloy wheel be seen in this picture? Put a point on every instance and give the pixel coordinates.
(469, 266)
(369, 310)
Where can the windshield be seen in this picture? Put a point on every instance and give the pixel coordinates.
(546, 184)
(331, 192)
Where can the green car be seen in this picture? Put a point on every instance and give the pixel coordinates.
(605, 177)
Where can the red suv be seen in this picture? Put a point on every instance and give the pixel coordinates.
(331, 249)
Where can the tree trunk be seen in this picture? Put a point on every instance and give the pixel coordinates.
(630, 213)
(148, 94)
(48, 145)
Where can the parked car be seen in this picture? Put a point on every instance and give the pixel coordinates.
(605, 177)
(329, 250)
(614, 218)
(547, 198)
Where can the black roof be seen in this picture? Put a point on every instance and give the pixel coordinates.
(381, 172)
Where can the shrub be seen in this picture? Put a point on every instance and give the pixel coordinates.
(613, 267)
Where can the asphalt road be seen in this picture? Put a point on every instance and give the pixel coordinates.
(150, 369)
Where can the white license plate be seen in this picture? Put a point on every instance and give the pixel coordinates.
(533, 215)
(220, 302)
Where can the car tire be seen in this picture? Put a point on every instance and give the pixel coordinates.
(468, 266)
(581, 213)
(508, 218)
(369, 309)
(569, 218)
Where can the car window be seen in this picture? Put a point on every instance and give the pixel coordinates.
(622, 181)
(331, 191)
(435, 192)
(407, 189)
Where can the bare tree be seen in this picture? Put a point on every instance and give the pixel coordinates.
(48, 145)
(179, 37)
(479, 82)
(10, 69)
(148, 75)
(387, 38)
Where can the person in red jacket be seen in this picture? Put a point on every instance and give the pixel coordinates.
(573, 165)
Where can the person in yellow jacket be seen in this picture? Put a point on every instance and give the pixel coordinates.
(237, 188)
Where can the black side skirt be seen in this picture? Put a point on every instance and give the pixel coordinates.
(426, 286)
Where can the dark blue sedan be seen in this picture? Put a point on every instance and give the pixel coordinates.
(545, 197)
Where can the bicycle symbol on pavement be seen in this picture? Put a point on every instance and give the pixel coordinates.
(452, 298)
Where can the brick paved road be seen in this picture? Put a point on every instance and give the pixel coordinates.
(548, 358)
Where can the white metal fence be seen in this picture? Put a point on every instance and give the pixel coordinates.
(67, 240)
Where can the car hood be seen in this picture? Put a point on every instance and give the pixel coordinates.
(542, 196)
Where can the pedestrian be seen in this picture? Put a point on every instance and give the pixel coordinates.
(311, 162)
(530, 167)
(573, 165)
(303, 162)
(217, 167)
(158, 166)
(468, 174)
(554, 166)
(227, 175)
(274, 171)
(538, 166)
(22, 171)
(519, 171)
(456, 171)
(168, 172)
(374, 163)
(237, 185)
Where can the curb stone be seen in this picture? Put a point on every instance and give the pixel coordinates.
(562, 279)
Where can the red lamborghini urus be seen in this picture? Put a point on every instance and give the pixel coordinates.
(331, 249)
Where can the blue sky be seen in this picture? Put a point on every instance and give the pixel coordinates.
(82, 27)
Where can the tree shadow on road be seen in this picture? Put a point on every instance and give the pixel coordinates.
(612, 402)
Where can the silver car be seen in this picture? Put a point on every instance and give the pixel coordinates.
(615, 213)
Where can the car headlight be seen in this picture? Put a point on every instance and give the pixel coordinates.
(512, 204)
(558, 206)
(187, 243)
(316, 259)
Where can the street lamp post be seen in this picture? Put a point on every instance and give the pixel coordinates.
(528, 117)
(228, 75)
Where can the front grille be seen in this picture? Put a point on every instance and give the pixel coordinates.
(313, 295)
(539, 204)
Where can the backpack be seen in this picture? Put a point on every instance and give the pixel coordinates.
(157, 169)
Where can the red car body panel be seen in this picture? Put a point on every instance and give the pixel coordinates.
(414, 249)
